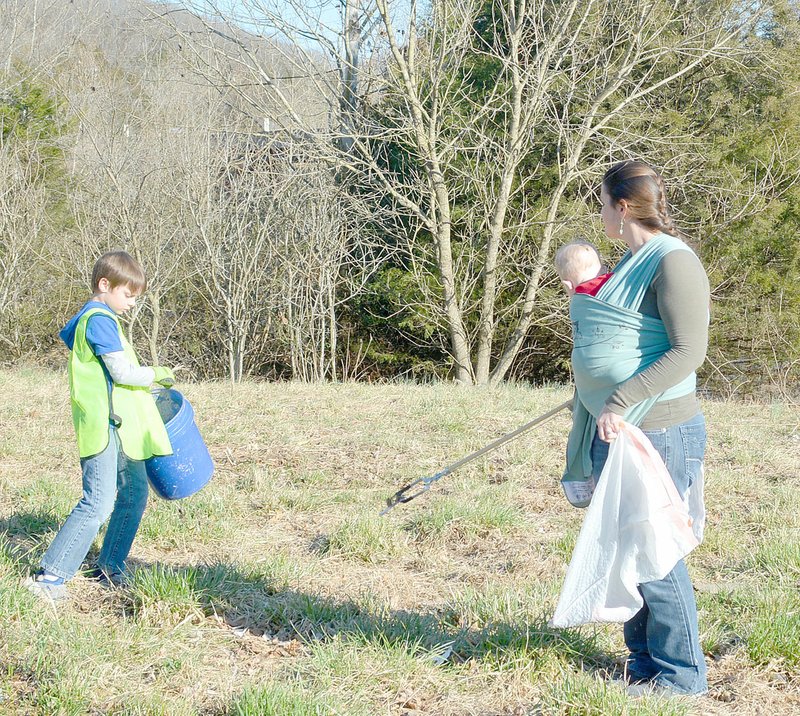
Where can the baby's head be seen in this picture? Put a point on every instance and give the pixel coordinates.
(577, 262)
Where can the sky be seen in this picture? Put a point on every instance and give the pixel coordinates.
(314, 16)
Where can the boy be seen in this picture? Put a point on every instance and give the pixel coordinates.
(117, 426)
(578, 265)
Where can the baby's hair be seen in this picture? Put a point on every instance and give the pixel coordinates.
(121, 269)
(575, 258)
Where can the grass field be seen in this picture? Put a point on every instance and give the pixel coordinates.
(279, 590)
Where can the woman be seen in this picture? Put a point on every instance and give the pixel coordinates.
(662, 288)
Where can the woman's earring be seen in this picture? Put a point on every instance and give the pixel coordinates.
(621, 226)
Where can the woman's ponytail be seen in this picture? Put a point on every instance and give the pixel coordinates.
(642, 188)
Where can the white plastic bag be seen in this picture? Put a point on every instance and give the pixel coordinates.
(636, 529)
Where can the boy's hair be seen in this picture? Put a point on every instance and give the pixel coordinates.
(121, 269)
(574, 258)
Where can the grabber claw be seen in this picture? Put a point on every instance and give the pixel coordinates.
(402, 496)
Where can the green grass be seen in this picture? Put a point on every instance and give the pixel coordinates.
(9, 556)
(452, 518)
(761, 623)
(152, 705)
(778, 555)
(279, 700)
(565, 543)
(278, 589)
(62, 683)
(369, 539)
(160, 594)
(774, 631)
(508, 628)
(582, 696)
(337, 665)
(170, 524)
(50, 494)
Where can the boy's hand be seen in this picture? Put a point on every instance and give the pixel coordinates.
(163, 376)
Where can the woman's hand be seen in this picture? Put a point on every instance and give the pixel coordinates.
(608, 425)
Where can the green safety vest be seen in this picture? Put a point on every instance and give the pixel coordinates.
(141, 431)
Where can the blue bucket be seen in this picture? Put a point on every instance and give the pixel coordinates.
(189, 467)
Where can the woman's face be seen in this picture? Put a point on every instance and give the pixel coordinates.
(610, 214)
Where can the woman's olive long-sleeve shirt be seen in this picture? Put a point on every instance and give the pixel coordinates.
(679, 296)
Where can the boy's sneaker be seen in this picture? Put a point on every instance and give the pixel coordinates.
(104, 579)
(47, 586)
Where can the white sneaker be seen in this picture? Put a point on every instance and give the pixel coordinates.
(46, 586)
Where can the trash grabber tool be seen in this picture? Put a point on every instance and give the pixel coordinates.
(423, 484)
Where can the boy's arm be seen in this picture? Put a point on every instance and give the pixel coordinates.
(124, 372)
(102, 335)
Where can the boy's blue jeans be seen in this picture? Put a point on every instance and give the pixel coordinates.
(663, 637)
(114, 486)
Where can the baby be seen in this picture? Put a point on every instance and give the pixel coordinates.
(579, 266)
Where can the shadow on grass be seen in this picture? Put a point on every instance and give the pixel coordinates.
(263, 604)
(29, 525)
(267, 601)
(23, 531)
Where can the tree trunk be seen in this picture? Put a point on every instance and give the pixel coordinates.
(517, 337)
(458, 335)
(155, 304)
(486, 325)
(349, 74)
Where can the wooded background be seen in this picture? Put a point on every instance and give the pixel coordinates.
(366, 189)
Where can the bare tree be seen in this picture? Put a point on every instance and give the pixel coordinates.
(133, 152)
(572, 81)
(471, 134)
(271, 244)
(230, 208)
(235, 233)
(312, 281)
(122, 145)
(23, 232)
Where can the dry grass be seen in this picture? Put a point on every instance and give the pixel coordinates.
(277, 589)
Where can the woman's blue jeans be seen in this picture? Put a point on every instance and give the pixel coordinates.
(113, 486)
(663, 637)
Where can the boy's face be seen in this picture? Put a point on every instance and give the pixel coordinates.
(119, 298)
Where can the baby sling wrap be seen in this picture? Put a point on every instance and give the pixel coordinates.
(141, 430)
(612, 342)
